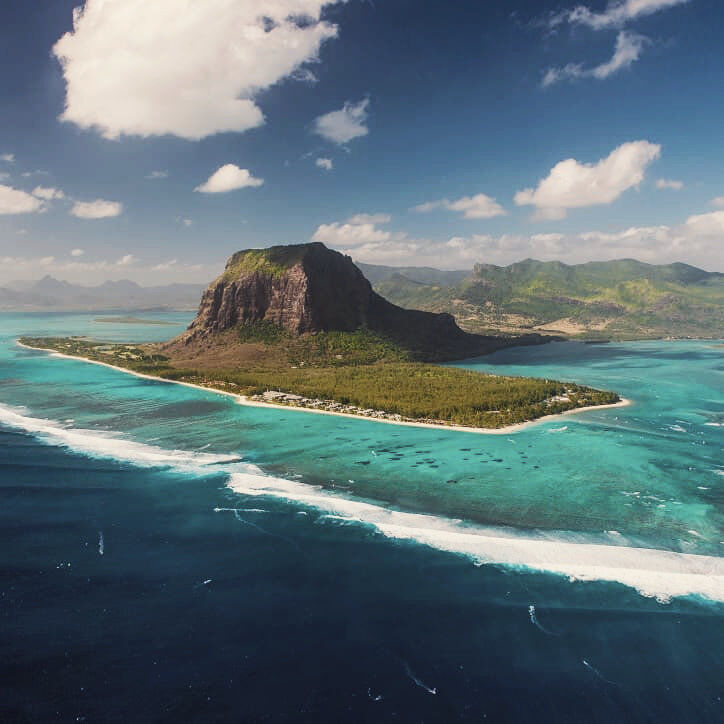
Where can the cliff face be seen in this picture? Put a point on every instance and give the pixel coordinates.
(309, 288)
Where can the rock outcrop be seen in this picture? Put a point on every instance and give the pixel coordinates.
(309, 288)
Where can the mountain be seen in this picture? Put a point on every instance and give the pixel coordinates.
(309, 289)
(422, 274)
(50, 293)
(614, 299)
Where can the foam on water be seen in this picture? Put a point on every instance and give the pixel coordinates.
(107, 445)
(653, 573)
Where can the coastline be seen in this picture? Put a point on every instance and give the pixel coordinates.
(243, 400)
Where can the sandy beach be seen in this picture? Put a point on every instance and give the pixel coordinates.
(243, 400)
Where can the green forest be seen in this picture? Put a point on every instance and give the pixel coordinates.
(356, 369)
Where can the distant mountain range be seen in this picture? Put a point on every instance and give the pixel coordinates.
(50, 294)
(598, 300)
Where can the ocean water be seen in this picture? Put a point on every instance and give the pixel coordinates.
(167, 554)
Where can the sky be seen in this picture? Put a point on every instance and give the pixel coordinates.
(151, 139)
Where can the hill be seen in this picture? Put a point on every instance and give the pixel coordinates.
(623, 299)
(302, 326)
(309, 289)
(53, 294)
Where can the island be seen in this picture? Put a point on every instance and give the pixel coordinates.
(301, 327)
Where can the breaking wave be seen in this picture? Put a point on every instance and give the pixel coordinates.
(107, 445)
(654, 573)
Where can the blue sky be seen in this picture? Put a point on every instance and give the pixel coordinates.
(174, 133)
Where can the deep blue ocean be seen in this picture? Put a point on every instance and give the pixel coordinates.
(167, 554)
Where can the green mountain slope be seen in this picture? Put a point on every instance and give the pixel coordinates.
(616, 299)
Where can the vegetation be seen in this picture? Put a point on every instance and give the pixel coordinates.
(273, 261)
(360, 369)
(605, 300)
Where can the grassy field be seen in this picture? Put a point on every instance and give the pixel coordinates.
(357, 369)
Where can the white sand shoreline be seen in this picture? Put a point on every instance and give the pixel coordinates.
(243, 400)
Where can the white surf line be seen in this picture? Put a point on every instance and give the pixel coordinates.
(653, 573)
(107, 445)
(243, 400)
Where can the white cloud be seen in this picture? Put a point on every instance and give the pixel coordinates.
(696, 241)
(166, 265)
(369, 219)
(718, 202)
(157, 175)
(228, 178)
(711, 224)
(187, 222)
(183, 67)
(667, 183)
(77, 252)
(98, 209)
(345, 124)
(347, 235)
(616, 14)
(627, 51)
(127, 260)
(479, 206)
(325, 163)
(14, 201)
(48, 193)
(7, 157)
(571, 184)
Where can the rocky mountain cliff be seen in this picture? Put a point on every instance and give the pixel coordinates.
(308, 288)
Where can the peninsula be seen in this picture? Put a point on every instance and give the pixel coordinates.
(301, 326)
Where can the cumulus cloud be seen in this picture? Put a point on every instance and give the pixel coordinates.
(571, 184)
(228, 178)
(697, 241)
(324, 163)
(98, 209)
(183, 67)
(479, 206)
(616, 14)
(77, 252)
(718, 202)
(14, 201)
(667, 183)
(7, 157)
(627, 51)
(711, 224)
(48, 193)
(345, 124)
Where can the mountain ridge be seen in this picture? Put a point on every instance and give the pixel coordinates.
(623, 298)
(309, 289)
